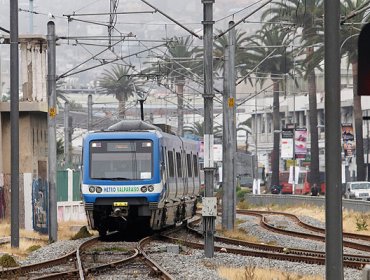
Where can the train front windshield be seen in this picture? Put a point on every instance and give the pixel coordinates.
(121, 159)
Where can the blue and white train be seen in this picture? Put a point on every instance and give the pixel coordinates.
(135, 176)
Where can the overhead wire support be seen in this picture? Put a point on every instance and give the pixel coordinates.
(68, 73)
(96, 37)
(88, 21)
(4, 30)
(242, 20)
(112, 19)
(105, 14)
(173, 20)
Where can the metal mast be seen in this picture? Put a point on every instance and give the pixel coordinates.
(208, 221)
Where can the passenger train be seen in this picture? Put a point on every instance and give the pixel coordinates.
(135, 176)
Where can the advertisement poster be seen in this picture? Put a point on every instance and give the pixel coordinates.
(287, 144)
(300, 142)
(348, 138)
(347, 132)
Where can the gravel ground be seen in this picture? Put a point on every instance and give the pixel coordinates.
(192, 264)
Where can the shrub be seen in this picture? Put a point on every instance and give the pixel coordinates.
(82, 233)
(33, 248)
(241, 193)
(361, 222)
(7, 261)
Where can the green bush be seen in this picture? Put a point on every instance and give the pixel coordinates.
(241, 194)
(361, 222)
(33, 248)
(7, 261)
(82, 233)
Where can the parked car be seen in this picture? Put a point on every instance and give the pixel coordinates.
(358, 190)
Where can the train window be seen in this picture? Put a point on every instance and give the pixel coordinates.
(195, 163)
(188, 159)
(179, 166)
(121, 160)
(171, 166)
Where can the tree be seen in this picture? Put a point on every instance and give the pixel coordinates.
(60, 93)
(309, 18)
(118, 82)
(197, 128)
(220, 46)
(349, 48)
(273, 64)
(180, 64)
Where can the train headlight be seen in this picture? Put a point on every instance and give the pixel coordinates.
(151, 188)
(99, 189)
(144, 189)
(91, 189)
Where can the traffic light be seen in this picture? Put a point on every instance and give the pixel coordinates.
(363, 87)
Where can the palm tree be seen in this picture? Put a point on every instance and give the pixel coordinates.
(309, 17)
(179, 65)
(220, 46)
(60, 93)
(118, 82)
(275, 68)
(197, 128)
(349, 48)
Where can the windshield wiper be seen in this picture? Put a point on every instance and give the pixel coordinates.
(120, 178)
(113, 179)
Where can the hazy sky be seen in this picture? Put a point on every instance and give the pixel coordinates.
(144, 26)
(188, 12)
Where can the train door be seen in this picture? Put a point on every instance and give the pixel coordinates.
(197, 174)
(191, 182)
(172, 185)
(185, 172)
(164, 173)
(179, 175)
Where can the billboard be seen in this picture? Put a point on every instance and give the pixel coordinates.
(348, 139)
(300, 142)
(287, 149)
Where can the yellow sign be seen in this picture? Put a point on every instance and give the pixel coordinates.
(231, 102)
(52, 112)
(120, 203)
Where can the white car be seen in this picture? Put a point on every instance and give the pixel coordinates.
(358, 190)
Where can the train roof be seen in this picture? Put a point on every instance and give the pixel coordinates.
(133, 125)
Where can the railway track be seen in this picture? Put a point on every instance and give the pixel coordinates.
(76, 264)
(90, 262)
(317, 237)
(270, 251)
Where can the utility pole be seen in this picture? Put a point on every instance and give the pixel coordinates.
(229, 134)
(112, 18)
(52, 156)
(14, 123)
(255, 169)
(67, 139)
(31, 17)
(1, 81)
(89, 112)
(333, 196)
(209, 218)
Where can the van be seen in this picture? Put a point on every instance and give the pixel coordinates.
(358, 190)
